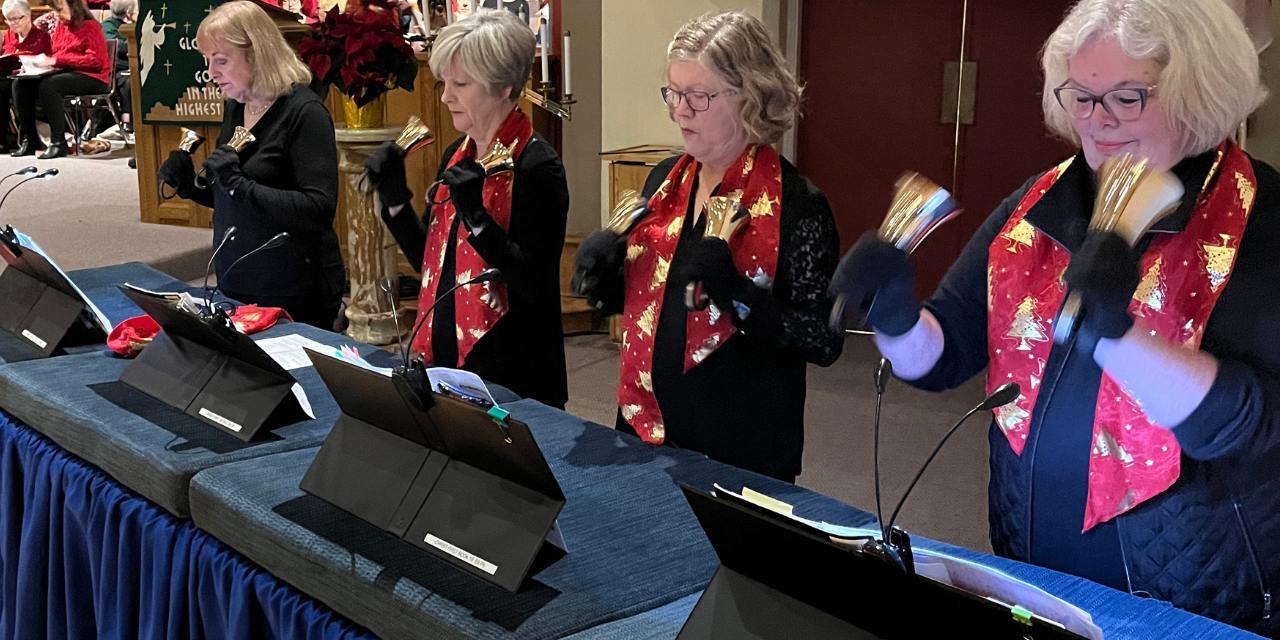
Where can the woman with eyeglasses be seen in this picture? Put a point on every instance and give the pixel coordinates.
(727, 380)
(20, 39)
(510, 216)
(1141, 453)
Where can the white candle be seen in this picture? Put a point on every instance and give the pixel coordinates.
(568, 88)
(546, 51)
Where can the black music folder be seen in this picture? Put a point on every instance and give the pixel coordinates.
(41, 305)
(780, 579)
(464, 482)
(203, 367)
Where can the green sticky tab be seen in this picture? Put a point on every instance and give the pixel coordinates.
(1021, 615)
(498, 413)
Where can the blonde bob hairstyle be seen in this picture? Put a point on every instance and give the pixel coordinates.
(494, 47)
(241, 24)
(1209, 82)
(735, 46)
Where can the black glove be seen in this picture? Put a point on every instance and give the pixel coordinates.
(1104, 273)
(599, 259)
(711, 262)
(178, 171)
(223, 168)
(386, 174)
(466, 190)
(877, 274)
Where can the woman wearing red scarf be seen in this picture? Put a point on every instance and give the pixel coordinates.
(78, 65)
(728, 381)
(1141, 453)
(507, 331)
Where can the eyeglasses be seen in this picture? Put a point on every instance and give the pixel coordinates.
(19, 18)
(1125, 104)
(697, 100)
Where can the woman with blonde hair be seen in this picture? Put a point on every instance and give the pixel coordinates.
(507, 331)
(728, 380)
(1140, 453)
(284, 182)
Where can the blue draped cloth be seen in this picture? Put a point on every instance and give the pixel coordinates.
(82, 557)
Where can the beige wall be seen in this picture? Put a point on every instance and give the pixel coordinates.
(581, 140)
(1264, 126)
(635, 34)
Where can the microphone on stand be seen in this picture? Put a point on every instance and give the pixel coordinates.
(227, 236)
(411, 378)
(47, 173)
(25, 171)
(895, 546)
(275, 241)
(884, 371)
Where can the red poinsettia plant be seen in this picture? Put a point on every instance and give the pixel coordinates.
(361, 51)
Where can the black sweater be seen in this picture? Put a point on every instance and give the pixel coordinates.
(524, 351)
(1228, 482)
(291, 185)
(744, 404)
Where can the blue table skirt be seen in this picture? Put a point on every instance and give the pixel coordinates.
(82, 557)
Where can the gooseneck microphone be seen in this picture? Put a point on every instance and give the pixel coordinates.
(488, 275)
(275, 241)
(1004, 394)
(25, 171)
(884, 371)
(227, 236)
(894, 547)
(47, 173)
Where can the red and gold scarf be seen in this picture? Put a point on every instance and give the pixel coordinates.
(1132, 459)
(755, 178)
(478, 307)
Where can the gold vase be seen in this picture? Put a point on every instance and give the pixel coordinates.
(367, 117)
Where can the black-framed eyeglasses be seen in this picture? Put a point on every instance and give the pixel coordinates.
(1124, 104)
(697, 100)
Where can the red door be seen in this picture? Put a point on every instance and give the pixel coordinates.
(873, 74)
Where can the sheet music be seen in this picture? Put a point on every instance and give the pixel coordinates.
(288, 350)
(963, 574)
(26, 242)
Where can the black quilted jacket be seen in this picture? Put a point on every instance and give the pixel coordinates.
(1211, 543)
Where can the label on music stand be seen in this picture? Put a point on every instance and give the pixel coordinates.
(469, 558)
(26, 333)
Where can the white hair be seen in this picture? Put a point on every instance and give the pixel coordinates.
(492, 46)
(1209, 82)
(20, 5)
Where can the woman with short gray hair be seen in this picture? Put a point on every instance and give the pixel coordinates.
(19, 39)
(1140, 451)
(725, 378)
(480, 215)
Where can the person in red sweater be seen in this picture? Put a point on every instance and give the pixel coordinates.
(77, 65)
(19, 39)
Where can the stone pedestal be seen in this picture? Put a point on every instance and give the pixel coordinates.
(371, 251)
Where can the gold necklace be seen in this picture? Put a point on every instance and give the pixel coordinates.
(257, 112)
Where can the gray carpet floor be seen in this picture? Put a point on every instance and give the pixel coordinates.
(88, 216)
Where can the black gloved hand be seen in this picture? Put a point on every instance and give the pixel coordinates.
(711, 262)
(466, 190)
(876, 280)
(386, 174)
(177, 171)
(1104, 273)
(223, 168)
(599, 259)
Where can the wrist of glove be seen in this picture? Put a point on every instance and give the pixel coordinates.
(600, 258)
(466, 188)
(385, 168)
(875, 280)
(1104, 274)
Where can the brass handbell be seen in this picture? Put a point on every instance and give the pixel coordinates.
(1132, 198)
(241, 138)
(918, 207)
(724, 215)
(415, 135)
(499, 158)
(191, 140)
(630, 209)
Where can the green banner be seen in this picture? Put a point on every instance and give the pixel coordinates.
(174, 79)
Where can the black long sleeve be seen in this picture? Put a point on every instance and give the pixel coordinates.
(409, 231)
(308, 205)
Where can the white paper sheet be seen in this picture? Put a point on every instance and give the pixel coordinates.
(288, 350)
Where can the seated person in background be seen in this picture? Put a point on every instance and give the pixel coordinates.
(20, 39)
(122, 12)
(77, 65)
